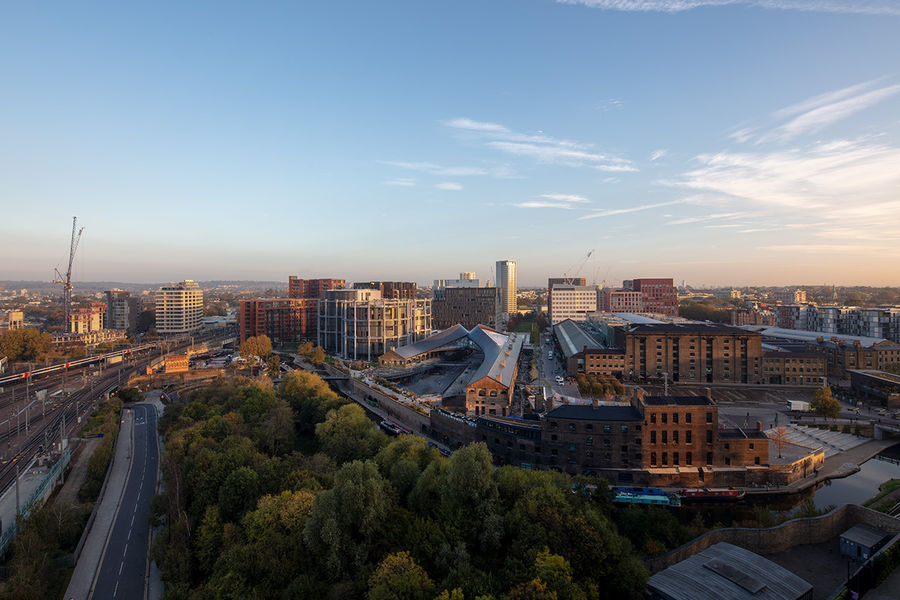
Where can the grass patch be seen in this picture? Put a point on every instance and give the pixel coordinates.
(886, 488)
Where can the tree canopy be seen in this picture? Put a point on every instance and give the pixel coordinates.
(824, 404)
(24, 344)
(291, 492)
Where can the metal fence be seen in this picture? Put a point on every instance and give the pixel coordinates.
(35, 498)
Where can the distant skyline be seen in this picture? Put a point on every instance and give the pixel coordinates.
(729, 142)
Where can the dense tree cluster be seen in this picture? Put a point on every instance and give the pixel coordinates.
(26, 343)
(598, 386)
(824, 404)
(290, 492)
(711, 310)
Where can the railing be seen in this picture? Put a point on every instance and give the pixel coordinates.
(34, 498)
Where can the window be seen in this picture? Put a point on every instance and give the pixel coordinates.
(653, 417)
(589, 441)
(653, 458)
(675, 418)
(675, 437)
(665, 418)
(687, 417)
(751, 445)
(553, 436)
(554, 424)
(652, 437)
(728, 446)
(727, 461)
(709, 417)
(755, 460)
(665, 457)
(571, 447)
(687, 437)
(665, 437)
(571, 426)
(624, 428)
(589, 426)
(709, 458)
(688, 459)
(709, 436)
(606, 429)
(674, 458)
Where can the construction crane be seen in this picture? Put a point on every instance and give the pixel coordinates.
(571, 280)
(67, 280)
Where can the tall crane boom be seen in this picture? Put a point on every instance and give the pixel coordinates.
(571, 280)
(67, 280)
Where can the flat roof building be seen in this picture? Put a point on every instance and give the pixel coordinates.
(574, 302)
(179, 308)
(359, 324)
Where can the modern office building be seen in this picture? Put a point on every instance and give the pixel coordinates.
(552, 281)
(11, 319)
(657, 295)
(573, 302)
(312, 288)
(359, 324)
(390, 290)
(280, 319)
(615, 300)
(122, 310)
(179, 308)
(466, 306)
(506, 281)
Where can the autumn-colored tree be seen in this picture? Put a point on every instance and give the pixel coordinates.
(823, 403)
(24, 344)
(779, 438)
(398, 577)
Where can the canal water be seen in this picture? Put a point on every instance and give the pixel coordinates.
(861, 486)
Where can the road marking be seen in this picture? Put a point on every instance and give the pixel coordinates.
(132, 520)
(129, 535)
(121, 564)
(116, 591)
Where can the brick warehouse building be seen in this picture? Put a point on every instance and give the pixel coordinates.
(654, 440)
(691, 352)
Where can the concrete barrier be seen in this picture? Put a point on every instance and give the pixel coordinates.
(771, 540)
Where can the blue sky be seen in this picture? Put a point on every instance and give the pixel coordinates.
(715, 141)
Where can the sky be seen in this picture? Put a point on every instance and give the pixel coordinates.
(719, 142)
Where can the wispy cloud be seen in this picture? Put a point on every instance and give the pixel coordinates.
(401, 181)
(850, 182)
(629, 209)
(449, 186)
(712, 217)
(818, 113)
(870, 7)
(539, 146)
(543, 204)
(565, 198)
(657, 154)
(451, 171)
